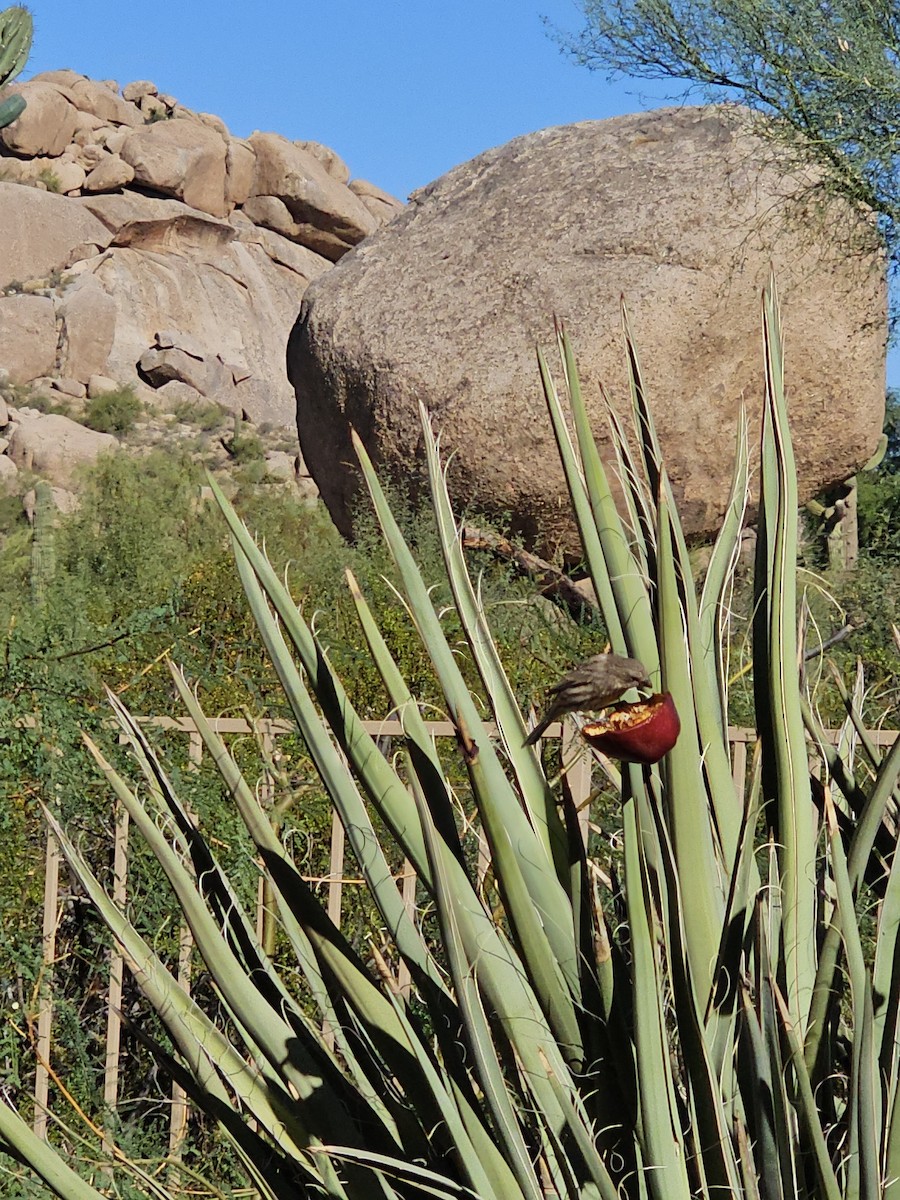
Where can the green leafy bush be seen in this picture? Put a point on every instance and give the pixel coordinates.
(113, 412)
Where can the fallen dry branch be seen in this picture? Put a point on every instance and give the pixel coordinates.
(552, 581)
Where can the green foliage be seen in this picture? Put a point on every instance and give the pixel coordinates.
(43, 544)
(113, 412)
(49, 178)
(828, 75)
(245, 447)
(707, 1008)
(878, 498)
(205, 414)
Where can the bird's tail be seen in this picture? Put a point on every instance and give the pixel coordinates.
(538, 730)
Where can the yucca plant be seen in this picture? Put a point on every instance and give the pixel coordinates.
(711, 1025)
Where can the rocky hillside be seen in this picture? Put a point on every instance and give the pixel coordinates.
(149, 248)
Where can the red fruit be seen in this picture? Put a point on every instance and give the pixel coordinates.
(637, 733)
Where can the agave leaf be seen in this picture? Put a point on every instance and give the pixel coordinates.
(538, 909)
(686, 801)
(708, 1129)
(807, 1109)
(769, 1120)
(271, 850)
(288, 1055)
(532, 783)
(23, 1144)
(720, 569)
(588, 528)
(639, 506)
(664, 1158)
(825, 994)
(704, 692)
(795, 814)
(886, 984)
(342, 790)
(604, 532)
(478, 1034)
(209, 1054)
(864, 1099)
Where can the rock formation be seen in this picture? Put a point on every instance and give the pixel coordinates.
(154, 249)
(684, 212)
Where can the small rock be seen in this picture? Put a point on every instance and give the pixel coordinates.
(116, 140)
(151, 108)
(70, 387)
(281, 465)
(176, 393)
(109, 175)
(8, 471)
(140, 88)
(167, 339)
(215, 123)
(100, 385)
(71, 175)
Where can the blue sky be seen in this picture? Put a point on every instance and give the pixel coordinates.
(401, 89)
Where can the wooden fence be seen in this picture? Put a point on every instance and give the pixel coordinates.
(579, 766)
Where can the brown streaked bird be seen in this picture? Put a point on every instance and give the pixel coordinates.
(592, 685)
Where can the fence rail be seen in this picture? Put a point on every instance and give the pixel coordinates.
(579, 765)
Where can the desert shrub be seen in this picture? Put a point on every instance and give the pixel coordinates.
(113, 412)
(204, 414)
(246, 447)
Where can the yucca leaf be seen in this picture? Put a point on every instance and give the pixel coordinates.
(536, 905)
(864, 1099)
(532, 783)
(663, 1147)
(787, 747)
(24, 1145)
(590, 531)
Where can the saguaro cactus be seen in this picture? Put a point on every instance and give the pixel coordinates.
(16, 31)
(43, 543)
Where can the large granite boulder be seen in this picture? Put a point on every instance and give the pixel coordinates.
(682, 211)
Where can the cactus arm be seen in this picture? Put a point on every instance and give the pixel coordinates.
(16, 31)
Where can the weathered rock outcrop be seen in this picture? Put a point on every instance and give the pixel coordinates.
(92, 276)
(681, 210)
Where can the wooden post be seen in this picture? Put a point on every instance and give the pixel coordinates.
(45, 1004)
(116, 972)
(195, 748)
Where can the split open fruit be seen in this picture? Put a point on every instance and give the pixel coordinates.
(639, 733)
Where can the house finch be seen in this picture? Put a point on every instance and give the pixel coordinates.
(590, 686)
